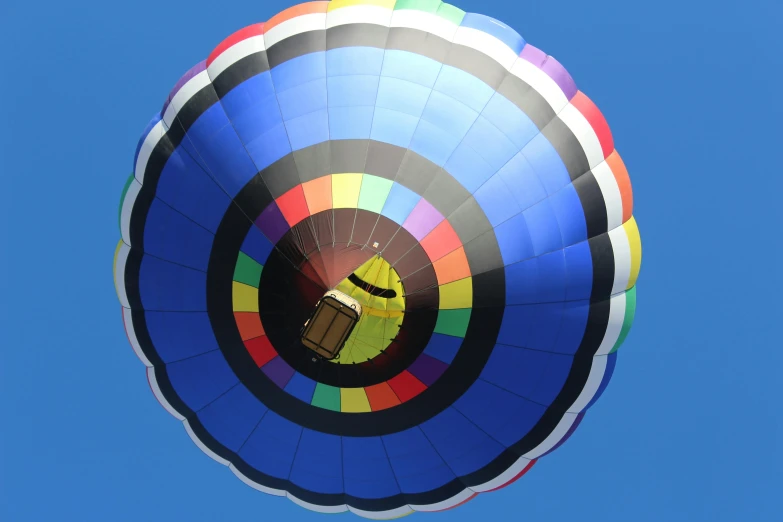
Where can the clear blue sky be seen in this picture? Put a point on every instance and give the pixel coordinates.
(689, 428)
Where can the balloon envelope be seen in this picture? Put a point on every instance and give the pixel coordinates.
(428, 163)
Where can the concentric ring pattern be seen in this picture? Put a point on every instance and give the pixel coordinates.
(437, 167)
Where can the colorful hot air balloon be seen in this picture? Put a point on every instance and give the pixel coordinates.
(426, 165)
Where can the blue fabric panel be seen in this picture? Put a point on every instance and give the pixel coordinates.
(179, 335)
(272, 445)
(490, 143)
(184, 185)
(611, 363)
(269, 147)
(298, 71)
(352, 91)
(253, 110)
(220, 149)
(570, 215)
(520, 282)
(173, 237)
(543, 227)
(516, 369)
(393, 127)
(350, 123)
(366, 468)
(463, 87)
(346, 61)
(416, 464)
(433, 143)
(252, 116)
(301, 387)
(579, 271)
(495, 28)
(403, 96)
(502, 415)
(516, 325)
(522, 182)
(547, 318)
(572, 327)
(400, 203)
(256, 245)
(202, 379)
(166, 286)
(552, 380)
(496, 200)
(154, 121)
(547, 164)
(412, 67)
(537, 280)
(449, 115)
(551, 278)
(308, 130)
(232, 417)
(443, 347)
(511, 121)
(318, 463)
(468, 167)
(514, 240)
(303, 99)
(251, 106)
(463, 446)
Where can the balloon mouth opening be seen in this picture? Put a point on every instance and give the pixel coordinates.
(362, 315)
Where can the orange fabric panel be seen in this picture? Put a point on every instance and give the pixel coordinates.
(297, 10)
(452, 267)
(318, 194)
(620, 172)
(249, 325)
(381, 396)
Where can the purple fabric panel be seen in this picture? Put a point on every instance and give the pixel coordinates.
(278, 371)
(422, 220)
(427, 369)
(552, 68)
(182, 81)
(272, 223)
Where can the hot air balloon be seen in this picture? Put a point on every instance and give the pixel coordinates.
(377, 255)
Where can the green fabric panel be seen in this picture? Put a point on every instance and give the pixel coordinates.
(428, 6)
(453, 322)
(451, 13)
(374, 192)
(122, 198)
(327, 397)
(247, 270)
(630, 312)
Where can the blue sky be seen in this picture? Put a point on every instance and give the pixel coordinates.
(689, 428)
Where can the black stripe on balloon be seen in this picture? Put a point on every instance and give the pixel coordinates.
(593, 204)
(568, 147)
(383, 293)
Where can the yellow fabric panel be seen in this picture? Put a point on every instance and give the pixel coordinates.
(116, 255)
(337, 4)
(244, 297)
(458, 294)
(345, 190)
(354, 400)
(635, 243)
